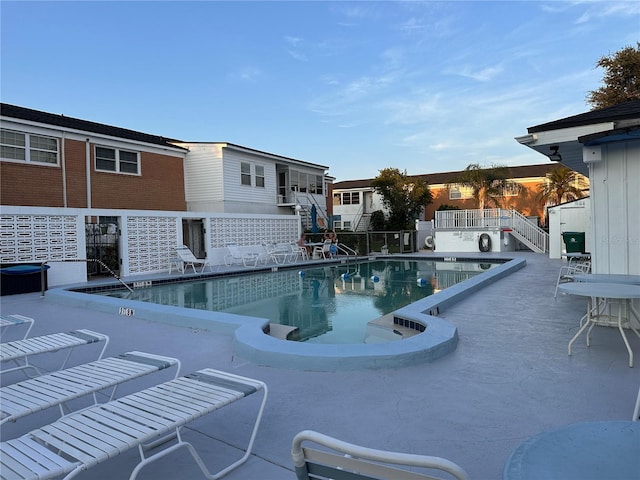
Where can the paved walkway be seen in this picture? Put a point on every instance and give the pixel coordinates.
(509, 379)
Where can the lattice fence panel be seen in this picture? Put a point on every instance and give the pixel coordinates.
(150, 243)
(28, 238)
(252, 231)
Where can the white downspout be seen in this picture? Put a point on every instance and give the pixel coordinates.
(88, 171)
(64, 172)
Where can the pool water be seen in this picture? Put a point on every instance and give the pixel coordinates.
(336, 304)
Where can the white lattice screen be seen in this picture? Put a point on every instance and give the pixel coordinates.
(150, 241)
(39, 238)
(252, 231)
(35, 234)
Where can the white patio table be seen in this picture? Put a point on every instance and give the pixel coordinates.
(612, 294)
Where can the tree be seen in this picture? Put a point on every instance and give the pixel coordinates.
(562, 185)
(378, 221)
(621, 78)
(487, 183)
(404, 197)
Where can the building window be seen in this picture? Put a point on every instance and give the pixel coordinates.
(350, 198)
(337, 199)
(259, 176)
(116, 160)
(458, 192)
(319, 185)
(245, 173)
(511, 189)
(303, 185)
(28, 148)
(346, 225)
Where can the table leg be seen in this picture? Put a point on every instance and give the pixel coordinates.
(635, 314)
(586, 325)
(624, 336)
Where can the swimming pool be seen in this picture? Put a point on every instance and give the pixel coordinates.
(440, 337)
(336, 304)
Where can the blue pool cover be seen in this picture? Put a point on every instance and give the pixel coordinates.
(22, 269)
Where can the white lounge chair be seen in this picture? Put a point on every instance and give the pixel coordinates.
(8, 321)
(81, 440)
(57, 388)
(340, 460)
(20, 351)
(248, 259)
(279, 252)
(189, 259)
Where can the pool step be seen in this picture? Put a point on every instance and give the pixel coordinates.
(280, 332)
(386, 321)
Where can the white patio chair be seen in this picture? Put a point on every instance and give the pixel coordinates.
(323, 250)
(142, 420)
(340, 460)
(567, 272)
(189, 259)
(301, 251)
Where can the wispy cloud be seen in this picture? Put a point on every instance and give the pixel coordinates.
(297, 55)
(607, 9)
(295, 44)
(482, 75)
(246, 74)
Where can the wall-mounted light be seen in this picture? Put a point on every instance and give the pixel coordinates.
(554, 156)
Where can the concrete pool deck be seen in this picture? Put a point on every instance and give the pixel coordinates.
(439, 337)
(509, 378)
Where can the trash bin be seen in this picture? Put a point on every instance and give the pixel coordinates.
(574, 242)
(16, 279)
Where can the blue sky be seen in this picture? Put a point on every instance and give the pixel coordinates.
(358, 86)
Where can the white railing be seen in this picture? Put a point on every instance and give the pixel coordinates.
(531, 235)
(521, 228)
(468, 219)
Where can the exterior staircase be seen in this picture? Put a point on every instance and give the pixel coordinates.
(511, 221)
(531, 235)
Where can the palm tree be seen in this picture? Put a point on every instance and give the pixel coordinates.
(487, 184)
(562, 185)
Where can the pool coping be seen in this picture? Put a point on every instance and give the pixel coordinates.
(250, 342)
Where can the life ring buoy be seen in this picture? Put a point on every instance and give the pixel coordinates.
(429, 242)
(484, 242)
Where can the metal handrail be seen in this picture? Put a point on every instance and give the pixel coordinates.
(87, 260)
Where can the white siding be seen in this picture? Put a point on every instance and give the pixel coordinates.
(244, 198)
(615, 187)
(204, 189)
